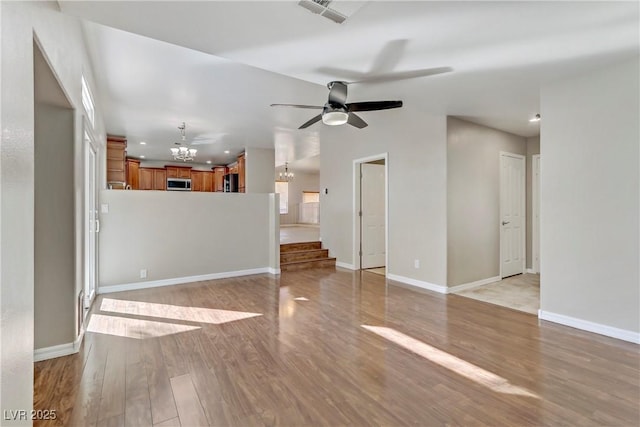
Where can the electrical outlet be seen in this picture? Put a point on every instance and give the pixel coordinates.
(143, 273)
(416, 263)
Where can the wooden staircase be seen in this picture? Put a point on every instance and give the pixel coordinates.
(305, 255)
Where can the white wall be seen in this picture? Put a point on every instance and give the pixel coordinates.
(61, 40)
(416, 146)
(176, 234)
(303, 181)
(54, 268)
(473, 199)
(589, 198)
(259, 167)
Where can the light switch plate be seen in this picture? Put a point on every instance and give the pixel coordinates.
(104, 208)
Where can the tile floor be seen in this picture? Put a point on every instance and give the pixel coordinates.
(521, 292)
(299, 233)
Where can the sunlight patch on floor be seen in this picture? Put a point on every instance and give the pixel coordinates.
(448, 361)
(134, 328)
(175, 312)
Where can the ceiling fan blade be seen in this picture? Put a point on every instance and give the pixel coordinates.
(312, 121)
(403, 75)
(355, 120)
(337, 93)
(341, 73)
(313, 107)
(373, 105)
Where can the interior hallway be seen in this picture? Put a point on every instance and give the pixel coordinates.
(332, 347)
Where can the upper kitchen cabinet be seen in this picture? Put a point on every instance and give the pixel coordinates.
(116, 159)
(183, 172)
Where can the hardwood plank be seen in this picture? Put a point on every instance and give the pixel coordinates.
(163, 406)
(173, 422)
(112, 397)
(310, 361)
(190, 410)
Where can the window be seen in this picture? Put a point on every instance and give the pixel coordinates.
(87, 102)
(310, 197)
(282, 188)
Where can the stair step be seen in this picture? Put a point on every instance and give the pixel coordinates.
(301, 246)
(304, 265)
(304, 255)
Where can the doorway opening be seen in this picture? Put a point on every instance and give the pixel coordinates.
(371, 213)
(57, 301)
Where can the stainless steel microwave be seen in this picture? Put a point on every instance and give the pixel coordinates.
(178, 184)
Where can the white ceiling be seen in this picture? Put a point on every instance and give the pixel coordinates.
(243, 56)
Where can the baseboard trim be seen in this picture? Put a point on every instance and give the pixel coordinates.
(530, 271)
(585, 325)
(345, 265)
(418, 283)
(181, 280)
(46, 353)
(471, 285)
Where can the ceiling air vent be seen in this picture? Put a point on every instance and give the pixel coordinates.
(321, 7)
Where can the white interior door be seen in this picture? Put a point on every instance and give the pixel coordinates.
(512, 214)
(535, 232)
(92, 223)
(373, 222)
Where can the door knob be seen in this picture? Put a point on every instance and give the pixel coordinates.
(505, 222)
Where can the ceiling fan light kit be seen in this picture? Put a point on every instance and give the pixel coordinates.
(334, 117)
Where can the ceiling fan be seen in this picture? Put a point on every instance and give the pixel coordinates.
(338, 112)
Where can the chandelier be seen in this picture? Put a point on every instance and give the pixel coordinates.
(286, 176)
(183, 152)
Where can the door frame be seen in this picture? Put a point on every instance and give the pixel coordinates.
(523, 205)
(90, 146)
(357, 220)
(535, 207)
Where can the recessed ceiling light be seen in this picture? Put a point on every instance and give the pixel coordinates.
(535, 119)
(142, 157)
(226, 151)
(143, 143)
(208, 162)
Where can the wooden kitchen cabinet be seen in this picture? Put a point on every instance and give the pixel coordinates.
(183, 172)
(133, 177)
(241, 170)
(207, 181)
(196, 180)
(146, 178)
(201, 181)
(152, 179)
(116, 158)
(159, 179)
(218, 178)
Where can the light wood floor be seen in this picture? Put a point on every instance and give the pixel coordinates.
(333, 348)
